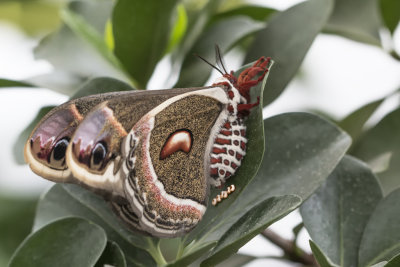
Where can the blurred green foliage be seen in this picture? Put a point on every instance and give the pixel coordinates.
(32, 16)
(98, 46)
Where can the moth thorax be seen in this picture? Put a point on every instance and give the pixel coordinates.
(228, 150)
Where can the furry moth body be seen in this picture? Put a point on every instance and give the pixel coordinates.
(152, 154)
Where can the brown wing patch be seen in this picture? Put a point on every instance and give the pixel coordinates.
(182, 173)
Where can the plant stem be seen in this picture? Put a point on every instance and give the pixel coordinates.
(292, 252)
(155, 252)
(180, 250)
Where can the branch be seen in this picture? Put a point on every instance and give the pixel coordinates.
(292, 252)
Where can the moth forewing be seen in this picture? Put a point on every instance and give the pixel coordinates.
(45, 148)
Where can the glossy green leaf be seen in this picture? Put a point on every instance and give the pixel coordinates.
(237, 260)
(66, 242)
(353, 124)
(356, 19)
(251, 223)
(112, 256)
(380, 145)
(297, 161)
(11, 83)
(189, 256)
(336, 214)
(381, 238)
(390, 12)
(322, 259)
(381, 264)
(109, 36)
(301, 150)
(101, 85)
(197, 21)
(286, 39)
(254, 12)
(18, 147)
(296, 231)
(141, 33)
(394, 262)
(293, 141)
(71, 200)
(179, 29)
(16, 219)
(225, 33)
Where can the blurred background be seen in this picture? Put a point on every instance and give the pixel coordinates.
(337, 76)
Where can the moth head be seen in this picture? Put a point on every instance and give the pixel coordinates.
(247, 79)
(251, 76)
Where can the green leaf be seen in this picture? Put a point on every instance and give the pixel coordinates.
(390, 13)
(16, 219)
(394, 262)
(237, 260)
(141, 33)
(353, 124)
(11, 83)
(112, 256)
(297, 160)
(301, 150)
(293, 141)
(381, 264)
(381, 238)
(286, 39)
(336, 214)
(254, 12)
(322, 259)
(358, 20)
(380, 146)
(71, 200)
(101, 85)
(254, 221)
(225, 33)
(189, 257)
(179, 29)
(197, 21)
(66, 242)
(18, 147)
(296, 231)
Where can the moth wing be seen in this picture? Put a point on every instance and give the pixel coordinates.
(166, 168)
(46, 146)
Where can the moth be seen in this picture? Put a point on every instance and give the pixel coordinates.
(152, 154)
